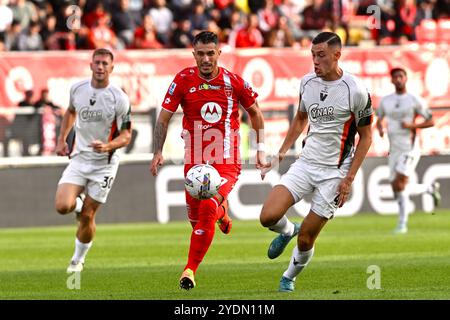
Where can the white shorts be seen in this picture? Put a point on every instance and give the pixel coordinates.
(97, 176)
(322, 182)
(403, 162)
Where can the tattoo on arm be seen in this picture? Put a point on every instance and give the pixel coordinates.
(159, 137)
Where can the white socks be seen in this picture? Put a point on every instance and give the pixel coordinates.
(299, 260)
(402, 198)
(81, 249)
(283, 226)
(78, 205)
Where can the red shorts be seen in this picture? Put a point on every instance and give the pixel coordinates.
(230, 172)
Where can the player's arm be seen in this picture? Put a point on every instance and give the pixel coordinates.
(159, 137)
(420, 109)
(427, 123)
(120, 141)
(123, 122)
(257, 121)
(365, 140)
(363, 113)
(296, 128)
(62, 149)
(379, 125)
(380, 117)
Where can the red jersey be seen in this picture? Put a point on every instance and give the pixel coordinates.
(211, 114)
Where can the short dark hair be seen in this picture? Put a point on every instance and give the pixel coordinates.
(397, 69)
(331, 38)
(102, 52)
(206, 37)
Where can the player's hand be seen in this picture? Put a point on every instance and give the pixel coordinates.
(157, 161)
(62, 149)
(261, 162)
(275, 161)
(380, 129)
(100, 147)
(381, 132)
(343, 191)
(406, 125)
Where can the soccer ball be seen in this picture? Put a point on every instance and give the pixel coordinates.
(203, 181)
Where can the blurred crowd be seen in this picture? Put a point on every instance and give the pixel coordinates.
(154, 24)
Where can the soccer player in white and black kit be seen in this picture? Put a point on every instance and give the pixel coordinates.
(99, 112)
(336, 105)
(400, 109)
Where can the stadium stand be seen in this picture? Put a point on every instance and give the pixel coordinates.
(80, 24)
(122, 25)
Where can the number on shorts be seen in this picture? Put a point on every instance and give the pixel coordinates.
(107, 182)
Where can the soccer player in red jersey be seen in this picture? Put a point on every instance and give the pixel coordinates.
(210, 97)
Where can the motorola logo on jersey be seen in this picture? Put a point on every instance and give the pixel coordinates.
(321, 114)
(211, 112)
(87, 115)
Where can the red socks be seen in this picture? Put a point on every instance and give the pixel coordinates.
(203, 232)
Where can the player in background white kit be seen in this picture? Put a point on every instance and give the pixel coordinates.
(100, 115)
(400, 110)
(337, 106)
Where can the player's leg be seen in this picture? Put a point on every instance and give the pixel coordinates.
(203, 232)
(293, 185)
(201, 236)
(206, 213)
(433, 189)
(187, 279)
(303, 251)
(192, 204)
(404, 167)
(85, 233)
(70, 187)
(67, 198)
(436, 194)
(273, 217)
(278, 201)
(415, 189)
(223, 219)
(397, 161)
(400, 194)
(101, 179)
(323, 207)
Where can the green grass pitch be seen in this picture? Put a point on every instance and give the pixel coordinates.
(144, 261)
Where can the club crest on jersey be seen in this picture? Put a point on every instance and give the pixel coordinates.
(87, 115)
(211, 112)
(324, 94)
(228, 91)
(172, 87)
(321, 114)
